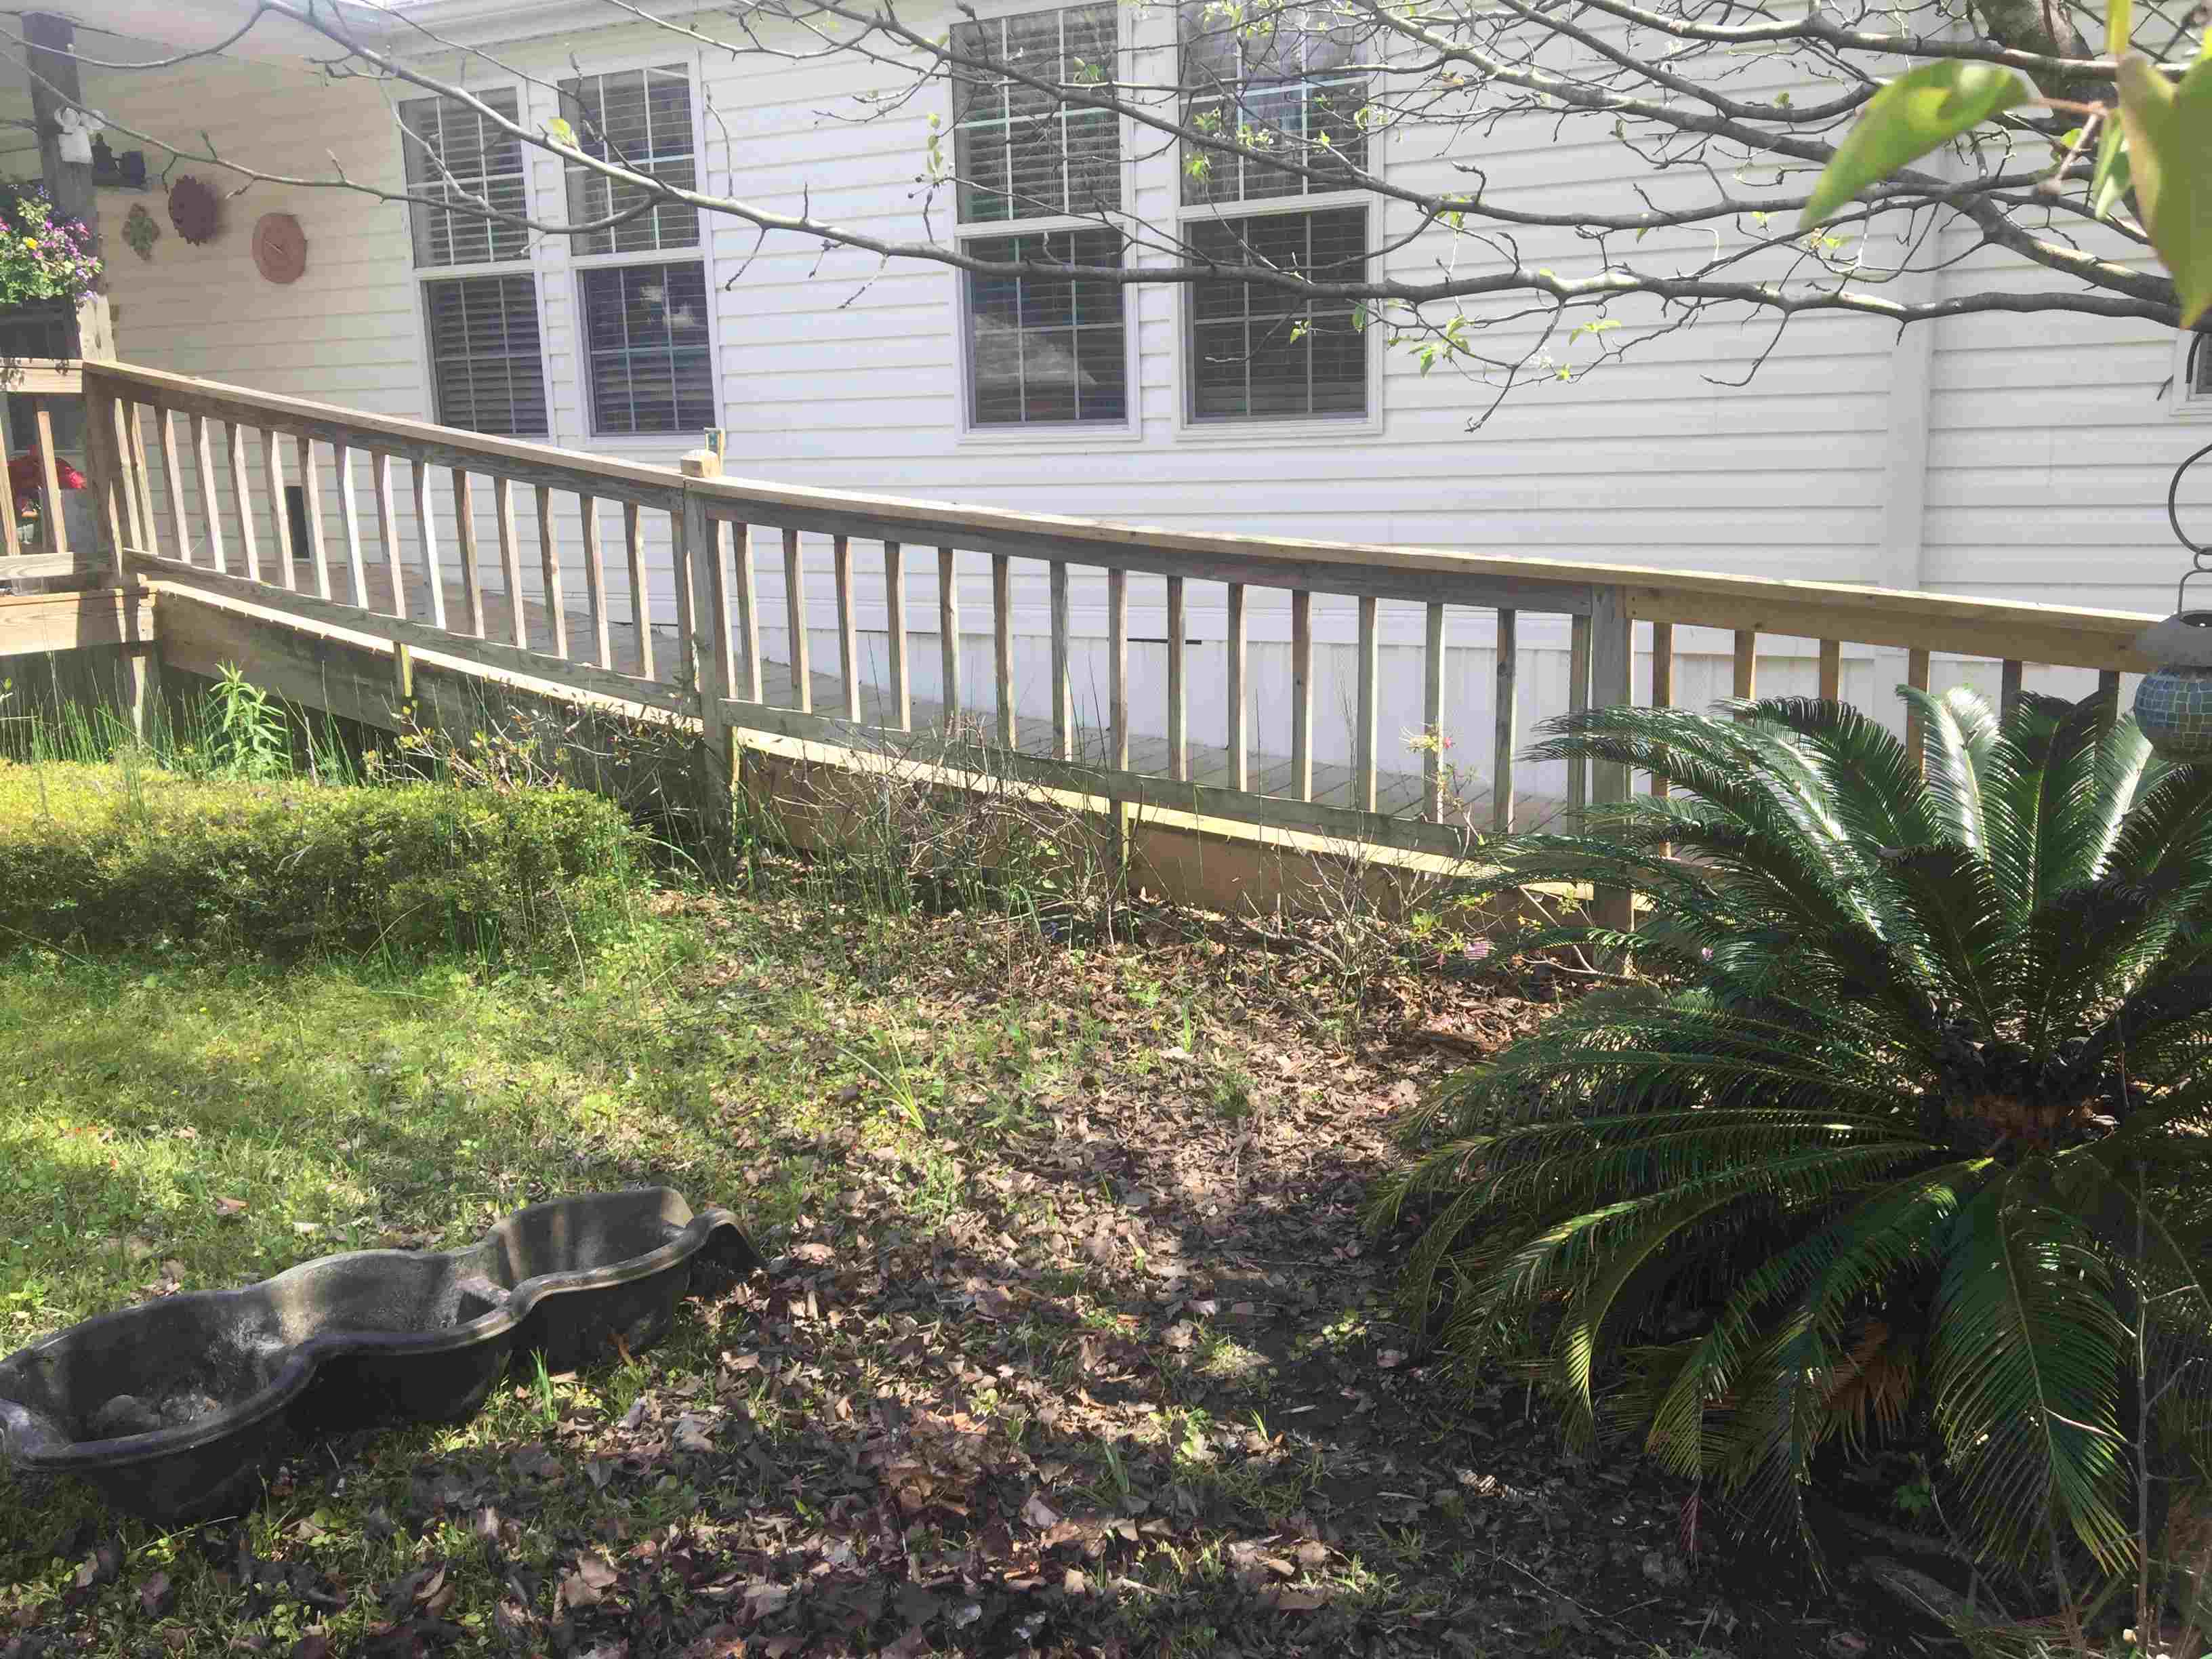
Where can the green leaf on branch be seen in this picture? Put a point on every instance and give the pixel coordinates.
(2169, 131)
(2113, 178)
(1910, 116)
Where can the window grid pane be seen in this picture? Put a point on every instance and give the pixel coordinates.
(1275, 81)
(1045, 350)
(646, 338)
(452, 153)
(1260, 352)
(1021, 153)
(487, 372)
(640, 119)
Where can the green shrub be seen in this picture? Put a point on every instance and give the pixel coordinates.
(1909, 1137)
(109, 856)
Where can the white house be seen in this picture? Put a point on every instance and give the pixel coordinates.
(2024, 457)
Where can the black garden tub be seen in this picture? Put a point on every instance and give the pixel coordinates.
(175, 1408)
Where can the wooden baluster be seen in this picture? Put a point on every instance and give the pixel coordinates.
(1117, 668)
(1178, 686)
(349, 519)
(1240, 736)
(549, 570)
(11, 535)
(1747, 663)
(56, 530)
(1578, 669)
(848, 633)
(640, 595)
(1612, 656)
(741, 555)
(172, 481)
(1915, 728)
(465, 541)
(510, 560)
(1831, 671)
(104, 475)
(311, 487)
(900, 717)
(2108, 691)
(595, 580)
(948, 634)
(280, 516)
(426, 524)
(387, 528)
(1063, 690)
(1432, 719)
(144, 475)
(1508, 718)
(124, 479)
(1364, 739)
(2008, 693)
(717, 596)
(794, 604)
(1002, 647)
(689, 671)
(1662, 684)
(1302, 694)
(249, 551)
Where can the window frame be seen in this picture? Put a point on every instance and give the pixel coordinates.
(1269, 428)
(564, 257)
(526, 265)
(2187, 404)
(1015, 434)
(1279, 428)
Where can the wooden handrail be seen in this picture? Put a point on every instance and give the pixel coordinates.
(2074, 636)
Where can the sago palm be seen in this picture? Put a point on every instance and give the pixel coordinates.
(1906, 1116)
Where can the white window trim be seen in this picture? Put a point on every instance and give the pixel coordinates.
(2186, 403)
(1277, 428)
(1017, 436)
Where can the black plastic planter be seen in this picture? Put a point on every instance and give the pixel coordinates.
(175, 1408)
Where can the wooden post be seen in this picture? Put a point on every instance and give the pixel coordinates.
(1501, 763)
(709, 659)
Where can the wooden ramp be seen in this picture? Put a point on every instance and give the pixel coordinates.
(1398, 794)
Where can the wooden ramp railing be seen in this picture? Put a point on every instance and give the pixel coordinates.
(385, 570)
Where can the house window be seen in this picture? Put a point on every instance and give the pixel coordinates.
(1275, 79)
(1042, 350)
(649, 356)
(640, 119)
(651, 365)
(1022, 151)
(1259, 352)
(487, 368)
(453, 154)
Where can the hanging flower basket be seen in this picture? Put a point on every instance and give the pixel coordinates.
(43, 258)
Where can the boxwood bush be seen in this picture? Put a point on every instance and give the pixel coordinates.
(103, 857)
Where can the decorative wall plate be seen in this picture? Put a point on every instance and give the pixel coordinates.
(280, 247)
(194, 210)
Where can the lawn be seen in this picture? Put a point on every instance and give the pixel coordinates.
(1070, 1340)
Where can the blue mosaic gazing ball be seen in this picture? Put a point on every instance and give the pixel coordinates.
(2174, 707)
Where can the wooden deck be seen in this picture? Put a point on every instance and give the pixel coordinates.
(1399, 794)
